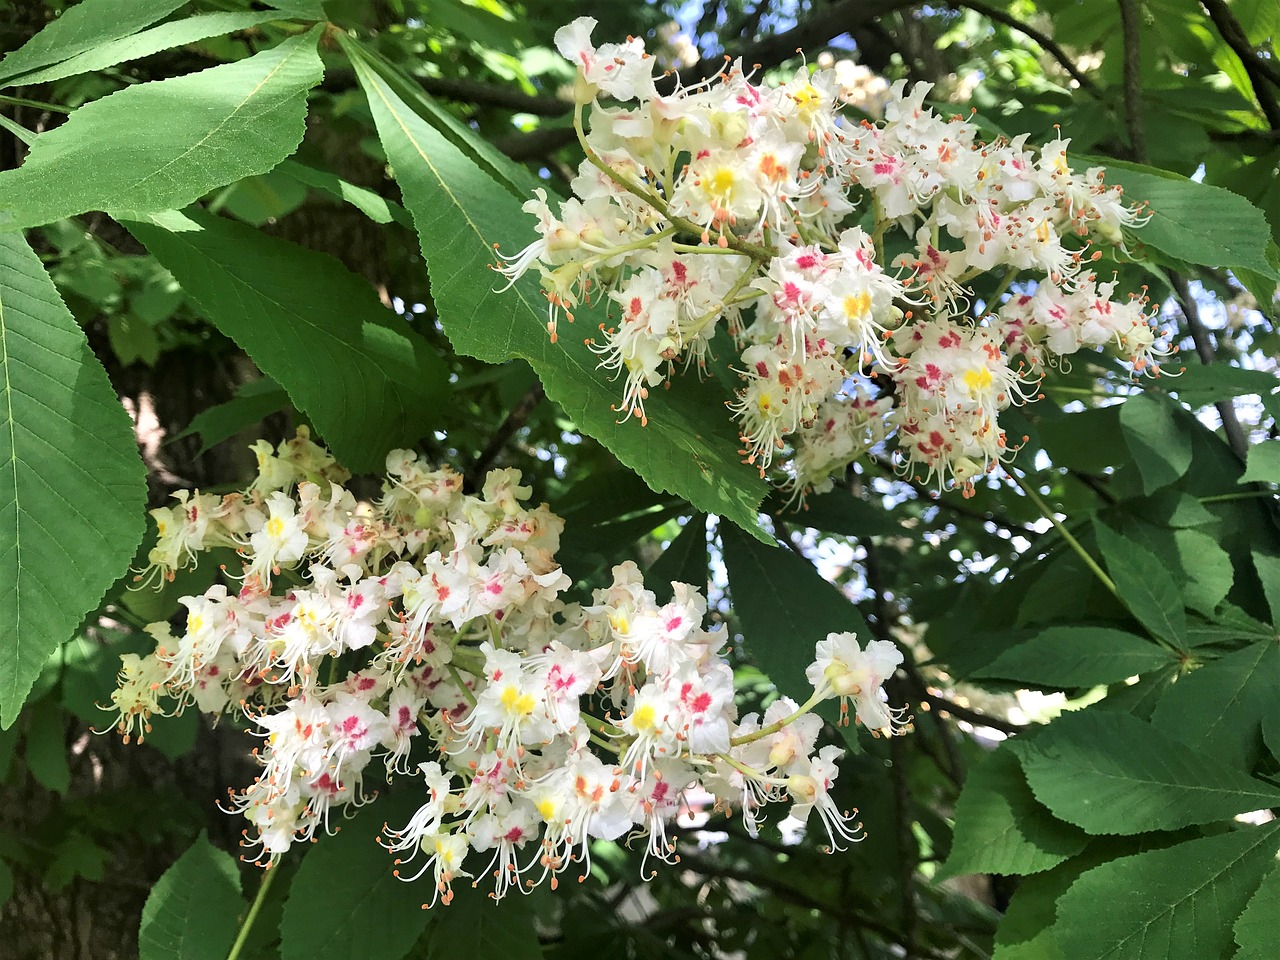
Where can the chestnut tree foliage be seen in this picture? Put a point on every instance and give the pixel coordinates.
(276, 251)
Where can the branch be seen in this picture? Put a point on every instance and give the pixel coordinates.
(1130, 30)
(1263, 74)
(821, 26)
(843, 913)
(494, 95)
(1231, 428)
(960, 509)
(516, 419)
(1045, 42)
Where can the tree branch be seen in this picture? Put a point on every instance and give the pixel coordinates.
(1043, 40)
(1130, 29)
(1231, 428)
(516, 419)
(1263, 74)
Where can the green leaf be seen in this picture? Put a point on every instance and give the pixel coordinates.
(1145, 585)
(1000, 828)
(1110, 773)
(684, 561)
(1196, 222)
(76, 855)
(1201, 385)
(261, 199)
(1263, 463)
(72, 486)
(1255, 928)
(46, 751)
(506, 929)
(1207, 567)
(1159, 444)
(784, 607)
(6, 883)
(365, 379)
(84, 26)
(132, 339)
(192, 910)
(252, 402)
(1078, 657)
(1269, 573)
(1219, 708)
(173, 34)
(346, 904)
(367, 202)
(159, 145)
(689, 447)
(1172, 904)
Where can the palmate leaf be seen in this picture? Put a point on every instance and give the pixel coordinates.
(72, 486)
(367, 381)
(688, 447)
(159, 145)
(1220, 707)
(83, 27)
(191, 911)
(1173, 904)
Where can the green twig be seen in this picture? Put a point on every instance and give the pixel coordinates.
(252, 915)
(1066, 534)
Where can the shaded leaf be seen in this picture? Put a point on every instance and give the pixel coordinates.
(784, 607)
(192, 910)
(346, 904)
(1156, 439)
(1145, 585)
(46, 750)
(1000, 828)
(489, 929)
(684, 561)
(252, 402)
(365, 379)
(1078, 657)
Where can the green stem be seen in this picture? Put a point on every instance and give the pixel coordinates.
(1000, 289)
(777, 725)
(753, 250)
(252, 915)
(37, 104)
(457, 679)
(1226, 497)
(1066, 534)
